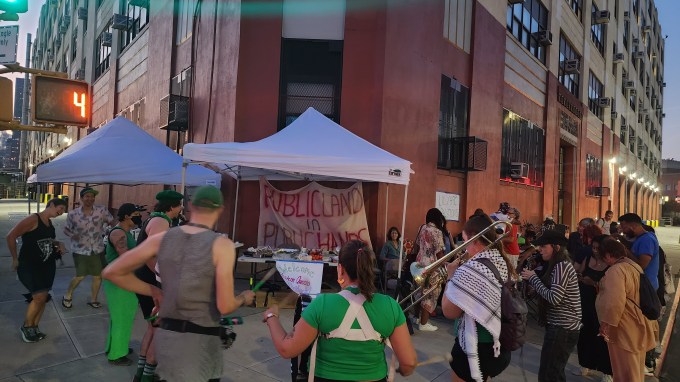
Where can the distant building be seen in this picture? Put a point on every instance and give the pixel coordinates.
(18, 97)
(670, 178)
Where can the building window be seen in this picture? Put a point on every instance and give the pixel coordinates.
(74, 44)
(311, 76)
(636, 7)
(453, 119)
(624, 78)
(632, 101)
(523, 150)
(597, 32)
(458, 23)
(576, 6)
(570, 81)
(98, 3)
(103, 51)
(623, 134)
(524, 21)
(626, 33)
(138, 19)
(595, 92)
(185, 19)
(593, 175)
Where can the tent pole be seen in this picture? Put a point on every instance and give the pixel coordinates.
(184, 177)
(403, 226)
(233, 227)
(387, 203)
(37, 208)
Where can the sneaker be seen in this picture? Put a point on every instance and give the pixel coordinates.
(28, 334)
(39, 334)
(581, 371)
(415, 320)
(649, 371)
(122, 361)
(427, 327)
(606, 378)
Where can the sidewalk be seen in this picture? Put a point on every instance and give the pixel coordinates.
(73, 349)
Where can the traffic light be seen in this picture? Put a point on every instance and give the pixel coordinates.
(60, 101)
(14, 6)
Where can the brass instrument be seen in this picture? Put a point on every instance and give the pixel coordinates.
(438, 268)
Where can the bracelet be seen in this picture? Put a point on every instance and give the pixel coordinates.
(270, 315)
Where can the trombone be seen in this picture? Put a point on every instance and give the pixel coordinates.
(437, 270)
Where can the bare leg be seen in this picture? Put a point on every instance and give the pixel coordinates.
(96, 284)
(147, 345)
(35, 309)
(72, 286)
(424, 316)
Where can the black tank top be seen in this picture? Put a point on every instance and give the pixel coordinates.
(36, 245)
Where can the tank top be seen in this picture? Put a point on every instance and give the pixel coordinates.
(36, 245)
(185, 261)
(111, 253)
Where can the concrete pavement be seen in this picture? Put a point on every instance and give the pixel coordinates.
(73, 349)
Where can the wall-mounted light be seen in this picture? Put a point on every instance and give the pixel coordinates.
(67, 141)
(612, 160)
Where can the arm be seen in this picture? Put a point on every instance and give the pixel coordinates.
(450, 310)
(119, 241)
(558, 289)
(154, 226)
(294, 343)
(121, 271)
(224, 258)
(26, 225)
(403, 349)
(68, 228)
(642, 260)
(613, 296)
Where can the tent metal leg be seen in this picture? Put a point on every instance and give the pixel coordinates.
(387, 204)
(403, 227)
(184, 178)
(233, 227)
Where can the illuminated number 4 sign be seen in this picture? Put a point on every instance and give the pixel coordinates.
(60, 101)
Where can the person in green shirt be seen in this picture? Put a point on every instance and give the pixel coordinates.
(344, 352)
(122, 304)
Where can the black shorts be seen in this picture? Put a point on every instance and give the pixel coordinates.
(146, 302)
(37, 277)
(490, 366)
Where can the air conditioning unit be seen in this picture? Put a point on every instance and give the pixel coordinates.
(604, 102)
(646, 28)
(629, 85)
(600, 17)
(107, 38)
(659, 107)
(66, 19)
(543, 37)
(626, 15)
(80, 74)
(599, 191)
(571, 66)
(57, 42)
(63, 28)
(632, 92)
(139, 3)
(619, 58)
(643, 111)
(82, 13)
(120, 22)
(615, 115)
(515, 1)
(519, 170)
(639, 55)
(174, 113)
(648, 89)
(636, 41)
(663, 84)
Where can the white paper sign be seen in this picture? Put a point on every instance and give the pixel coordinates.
(448, 204)
(302, 277)
(9, 38)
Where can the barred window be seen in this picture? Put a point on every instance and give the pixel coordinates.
(453, 119)
(624, 133)
(576, 6)
(593, 175)
(524, 20)
(597, 32)
(523, 145)
(138, 18)
(103, 51)
(595, 92)
(570, 81)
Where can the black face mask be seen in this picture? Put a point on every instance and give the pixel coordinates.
(137, 220)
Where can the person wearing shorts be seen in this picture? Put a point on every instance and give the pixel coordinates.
(86, 227)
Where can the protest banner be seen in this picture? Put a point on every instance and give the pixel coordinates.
(302, 277)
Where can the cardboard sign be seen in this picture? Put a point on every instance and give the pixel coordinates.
(313, 216)
(302, 277)
(448, 204)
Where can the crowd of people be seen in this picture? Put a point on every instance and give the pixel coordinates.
(588, 286)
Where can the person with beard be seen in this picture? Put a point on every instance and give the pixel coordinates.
(122, 304)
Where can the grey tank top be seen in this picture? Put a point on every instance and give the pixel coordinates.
(186, 266)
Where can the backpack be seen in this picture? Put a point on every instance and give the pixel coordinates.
(513, 312)
(649, 300)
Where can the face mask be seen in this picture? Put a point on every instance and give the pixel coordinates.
(137, 220)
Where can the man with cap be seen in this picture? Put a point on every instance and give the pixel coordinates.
(86, 227)
(168, 208)
(188, 349)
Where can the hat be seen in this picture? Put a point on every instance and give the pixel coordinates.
(127, 209)
(88, 190)
(208, 197)
(169, 196)
(551, 237)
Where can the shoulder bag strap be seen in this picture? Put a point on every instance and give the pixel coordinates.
(489, 264)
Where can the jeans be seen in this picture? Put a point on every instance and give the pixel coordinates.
(558, 344)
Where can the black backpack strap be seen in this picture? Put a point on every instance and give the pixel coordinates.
(489, 264)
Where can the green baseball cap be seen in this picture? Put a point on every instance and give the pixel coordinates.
(207, 197)
(169, 195)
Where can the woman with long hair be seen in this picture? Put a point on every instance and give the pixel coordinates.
(390, 251)
(431, 247)
(559, 306)
(473, 298)
(344, 352)
(628, 333)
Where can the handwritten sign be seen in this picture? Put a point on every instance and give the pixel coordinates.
(449, 205)
(9, 38)
(301, 277)
(312, 217)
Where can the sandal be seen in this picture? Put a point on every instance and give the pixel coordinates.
(66, 302)
(95, 304)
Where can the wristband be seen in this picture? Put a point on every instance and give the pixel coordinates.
(268, 316)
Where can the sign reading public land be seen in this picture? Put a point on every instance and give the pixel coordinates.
(9, 38)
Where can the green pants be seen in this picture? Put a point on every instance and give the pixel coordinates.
(122, 309)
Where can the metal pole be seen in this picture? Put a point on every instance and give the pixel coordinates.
(233, 227)
(23, 140)
(387, 203)
(403, 227)
(37, 208)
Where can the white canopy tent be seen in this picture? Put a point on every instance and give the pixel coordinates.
(312, 148)
(120, 152)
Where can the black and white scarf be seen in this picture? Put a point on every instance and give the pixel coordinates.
(475, 290)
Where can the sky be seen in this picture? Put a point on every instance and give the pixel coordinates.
(668, 13)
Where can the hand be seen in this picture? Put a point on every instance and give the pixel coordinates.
(62, 247)
(604, 331)
(274, 309)
(15, 264)
(588, 281)
(75, 237)
(157, 296)
(526, 274)
(404, 373)
(452, 267)
(248, 297)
